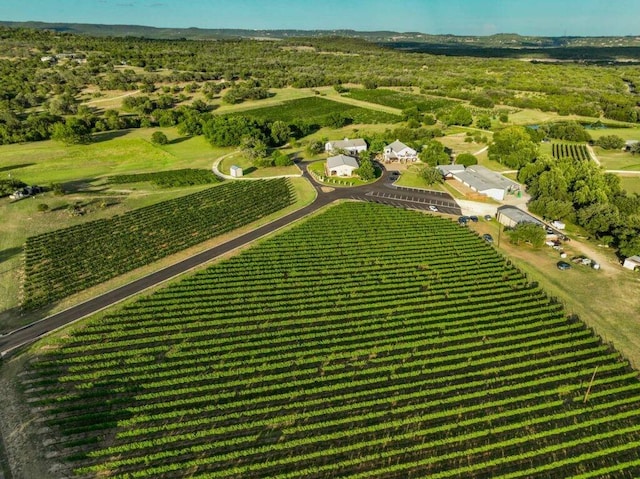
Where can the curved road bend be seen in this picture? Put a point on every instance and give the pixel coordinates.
(382, 192)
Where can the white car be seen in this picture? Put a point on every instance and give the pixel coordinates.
(433, 208)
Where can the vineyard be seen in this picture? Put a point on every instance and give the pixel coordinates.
(400, 100)
(367, 342)
(69, 260)
(169, 179)
(570, 150)
(318, 110)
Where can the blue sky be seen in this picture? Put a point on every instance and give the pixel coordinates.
(472, 17)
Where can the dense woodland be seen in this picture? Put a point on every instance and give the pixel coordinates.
(37, 94)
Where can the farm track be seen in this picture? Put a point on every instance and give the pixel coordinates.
(381, 192)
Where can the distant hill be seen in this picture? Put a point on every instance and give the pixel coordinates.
(502, 40)
(607, 50)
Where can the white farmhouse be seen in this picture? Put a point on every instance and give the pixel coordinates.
(353, 147)
(341, 165)
(398, 151)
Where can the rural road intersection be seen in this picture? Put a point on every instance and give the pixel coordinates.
(382, 191)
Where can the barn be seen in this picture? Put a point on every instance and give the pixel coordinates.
(341, 165)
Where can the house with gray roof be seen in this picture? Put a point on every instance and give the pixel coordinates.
(481, 180)
(511, 216)
(353, 147)
(341, 165)
(398, 151)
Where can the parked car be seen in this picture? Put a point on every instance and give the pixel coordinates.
(487, 237)
(563, 265)
(488, 217)
(433, 208)
(463, 220)
(473, 218)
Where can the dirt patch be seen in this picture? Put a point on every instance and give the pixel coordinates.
(18, 428)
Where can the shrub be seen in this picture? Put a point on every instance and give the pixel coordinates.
(159, 138)
(466, 159)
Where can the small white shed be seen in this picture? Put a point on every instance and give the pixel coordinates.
(632, 262)
(236, 171)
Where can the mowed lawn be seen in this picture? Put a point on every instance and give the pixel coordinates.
(127, 151)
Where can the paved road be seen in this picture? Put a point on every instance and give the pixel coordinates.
(383, 191)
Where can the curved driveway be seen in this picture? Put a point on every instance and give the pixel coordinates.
(383, 191)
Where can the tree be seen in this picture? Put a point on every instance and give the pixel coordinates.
(528, 233)
(434, 154)
(256, 150)
(280, 132)
(610, 142)
(430, 175)
(337, 120)
(466, 159)
(366, 171)
(458, 115)
(281, 159)
(229, 130)
(72, 132)
(513, 147)
(315, 147)
(483, 122)
(159, 138)
(568, 130)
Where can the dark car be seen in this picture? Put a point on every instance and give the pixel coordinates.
(488, 217)
(487, 237)
(473, 218)
(463, 220)
(563, 265)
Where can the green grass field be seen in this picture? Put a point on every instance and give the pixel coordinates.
(400, 100)
(410, 177)
(617, 159)
(127, 151)
(407, 347)
(250, 171)
(631, 184)
(318, 109)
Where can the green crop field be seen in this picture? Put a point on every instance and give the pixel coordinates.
(315, 109)
(366, 342)
(69, 260)
(400, 100)
(169, 179)
(570, 150)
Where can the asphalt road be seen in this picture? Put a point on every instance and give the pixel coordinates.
(383, 191)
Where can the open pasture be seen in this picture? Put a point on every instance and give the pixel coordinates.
(318, 110)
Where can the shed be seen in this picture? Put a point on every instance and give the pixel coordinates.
(236, 171)
(341, 165)
(632, 262)
(511, 216)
